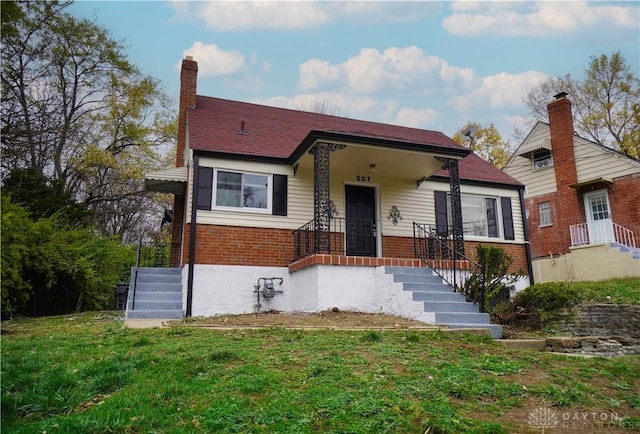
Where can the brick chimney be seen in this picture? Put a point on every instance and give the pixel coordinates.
(188, 81)
(188, 84)
(561, 126)
(568, 204)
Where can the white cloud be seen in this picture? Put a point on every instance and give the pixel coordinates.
(214, 61)
(499, 91)
(409, 117)
(339, 104)
(372, 71)
(283, 15)
(248, 15)
(542, 18)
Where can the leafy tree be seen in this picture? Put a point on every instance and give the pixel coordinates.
(42, 197)
(51, 267)
(75, 110)
(606, 103)
(486, 142)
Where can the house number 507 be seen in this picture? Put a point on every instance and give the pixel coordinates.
(363, 178)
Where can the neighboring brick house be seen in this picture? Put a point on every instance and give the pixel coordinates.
(292, 194)
(582, 201)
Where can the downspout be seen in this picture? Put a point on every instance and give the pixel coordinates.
(192, 231)
(527, 245)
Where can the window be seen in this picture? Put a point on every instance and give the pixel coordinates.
(481, 216)
(241, 190)
(545, 213)
(542, 159)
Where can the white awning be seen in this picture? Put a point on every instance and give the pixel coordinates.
(167, 181)
(526, 149)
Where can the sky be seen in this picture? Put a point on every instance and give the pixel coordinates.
(424, 64)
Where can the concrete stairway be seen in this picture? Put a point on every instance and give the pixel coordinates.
(635, 252)
(450, 308)
(158, 294)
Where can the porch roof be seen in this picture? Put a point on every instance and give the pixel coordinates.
(167, 181)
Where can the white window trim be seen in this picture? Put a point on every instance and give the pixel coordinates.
(499, 218)
(266, 210)
(544, 225)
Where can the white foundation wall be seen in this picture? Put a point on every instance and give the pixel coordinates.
(220, 289)
(228, 289)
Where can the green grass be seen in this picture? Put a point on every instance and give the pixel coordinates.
(614, 291)
(87, 373)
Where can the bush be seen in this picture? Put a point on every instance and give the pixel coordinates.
(50, 268)
(548, 296)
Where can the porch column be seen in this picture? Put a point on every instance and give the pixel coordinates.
(451, 165)
(321, 196)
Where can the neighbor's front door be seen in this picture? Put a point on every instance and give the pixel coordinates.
(361, 220)
(598, 216)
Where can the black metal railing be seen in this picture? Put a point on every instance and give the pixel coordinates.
(464, 275)
(149, 254)
(342, 235)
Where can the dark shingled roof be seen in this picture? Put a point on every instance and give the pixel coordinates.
(276, 133)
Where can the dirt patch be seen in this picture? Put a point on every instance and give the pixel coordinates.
(334, 318)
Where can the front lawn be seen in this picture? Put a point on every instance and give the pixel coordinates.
(88, 373)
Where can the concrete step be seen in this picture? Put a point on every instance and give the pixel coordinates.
(155, 314)
(438, 296)
(157, 287)
(462, 317)
(450, 306)
(417, 278)
(160, 278)
(158, 295)
(158, 305)
(494, 329)
(165, 271)
(426, 287)
(409, 270)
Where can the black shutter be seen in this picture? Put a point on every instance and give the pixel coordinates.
(279, 202)
(492, 217)
(507, 218)
(205, 187)
(442, 221)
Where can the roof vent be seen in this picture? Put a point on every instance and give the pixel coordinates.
(560, 95)
(242, 131)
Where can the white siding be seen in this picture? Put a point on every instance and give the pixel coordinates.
(593, 161)
(539, 182)
(414, 204)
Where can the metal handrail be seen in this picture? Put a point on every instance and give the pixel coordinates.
(463, 274)
(149, 254)
(304, 238)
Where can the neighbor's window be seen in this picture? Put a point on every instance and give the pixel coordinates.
(241, 190)
(545, 213)
(542, 159)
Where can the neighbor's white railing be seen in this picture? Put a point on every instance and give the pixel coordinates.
(620, 234)
(623, 236)
(579, 234)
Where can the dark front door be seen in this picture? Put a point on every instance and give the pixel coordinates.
(361, 220)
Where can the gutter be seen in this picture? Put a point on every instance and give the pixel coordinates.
(527, 245)
(192, 231)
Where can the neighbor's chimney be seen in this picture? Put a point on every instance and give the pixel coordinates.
(561, 128)
(188, 84)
